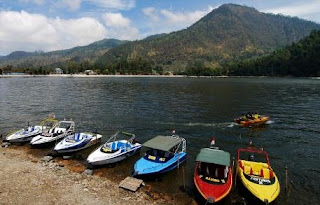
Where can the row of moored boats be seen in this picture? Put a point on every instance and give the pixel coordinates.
(213, 173)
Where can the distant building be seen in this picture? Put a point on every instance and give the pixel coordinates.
(58, 71)
(89, 72)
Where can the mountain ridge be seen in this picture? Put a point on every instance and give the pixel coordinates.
(34, 59)
(228, 33)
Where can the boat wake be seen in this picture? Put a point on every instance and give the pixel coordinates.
(232, 124)
(198, 124)
(269, 122)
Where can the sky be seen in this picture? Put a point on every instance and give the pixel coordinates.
(47, 25)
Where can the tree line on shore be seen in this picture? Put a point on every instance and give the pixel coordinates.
(298, 59)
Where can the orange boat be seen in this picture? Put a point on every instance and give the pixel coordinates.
(255, 120)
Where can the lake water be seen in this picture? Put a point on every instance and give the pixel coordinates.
(197, 108)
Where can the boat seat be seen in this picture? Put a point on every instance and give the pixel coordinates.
(123, 146)
(114, 146)
(166, 154)
(246, 169)
(77, 137)
(265, 173)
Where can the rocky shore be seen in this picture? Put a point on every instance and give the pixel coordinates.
(27, 179)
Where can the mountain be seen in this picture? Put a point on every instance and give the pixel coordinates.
(89, 53)
(298, 59)
(228, 33)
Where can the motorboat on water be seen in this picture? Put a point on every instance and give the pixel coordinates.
(77, 141)
(213, 174)
(115, 149)
(26, 134)
(251, 120)
(256, 174)
(61, 130)
(165, 153)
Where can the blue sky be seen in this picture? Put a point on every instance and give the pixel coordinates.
(48, 25)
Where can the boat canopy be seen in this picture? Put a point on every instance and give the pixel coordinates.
(164, 143)
(47, 121)
(214, 156)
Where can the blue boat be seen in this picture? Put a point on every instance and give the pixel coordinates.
(165, 154)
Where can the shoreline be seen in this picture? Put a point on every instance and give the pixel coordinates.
(145, 76)
(60, 181)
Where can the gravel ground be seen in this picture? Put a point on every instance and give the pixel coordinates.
(25, 179)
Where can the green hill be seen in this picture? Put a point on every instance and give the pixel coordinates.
(228, 33)
(61, 58)
(298, 59)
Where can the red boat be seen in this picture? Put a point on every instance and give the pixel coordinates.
(213, 174)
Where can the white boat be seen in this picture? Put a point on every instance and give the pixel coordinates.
(114, 150)
(77, 142)
(61, 130)
(26, 134)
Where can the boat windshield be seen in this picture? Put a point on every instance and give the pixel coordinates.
(49, 124)
(253, 156)
(213, 173)
(158, 156)
(65, 125)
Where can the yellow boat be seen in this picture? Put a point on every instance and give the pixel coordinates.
(256, 121)
(258, 176)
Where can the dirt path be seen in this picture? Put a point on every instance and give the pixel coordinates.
(24, 179)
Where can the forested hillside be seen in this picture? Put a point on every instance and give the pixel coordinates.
(77, 59)
(298, 59)
(228, 33)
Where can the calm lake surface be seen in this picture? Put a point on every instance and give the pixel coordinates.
(197, 108)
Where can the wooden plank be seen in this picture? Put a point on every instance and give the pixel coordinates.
(131, 183)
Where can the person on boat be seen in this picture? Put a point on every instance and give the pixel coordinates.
(243, 117)
(251, 157)
(251, 145)
(249, 116)
(213, 143)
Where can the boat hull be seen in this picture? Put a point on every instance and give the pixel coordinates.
(72, 150)
(210, 191)
(266, 190)
(155, 169)
(24, 135)
(253, 123)
(22, 139)
(66, 146)
(98, 158)
(40, 141)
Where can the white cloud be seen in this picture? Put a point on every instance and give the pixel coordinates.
(120, 27)
(309, 10)
(114, 4)
(164, 21)
(30, 32)
(116, 20)
(72, 4)
(151, 13)
(186, 18)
